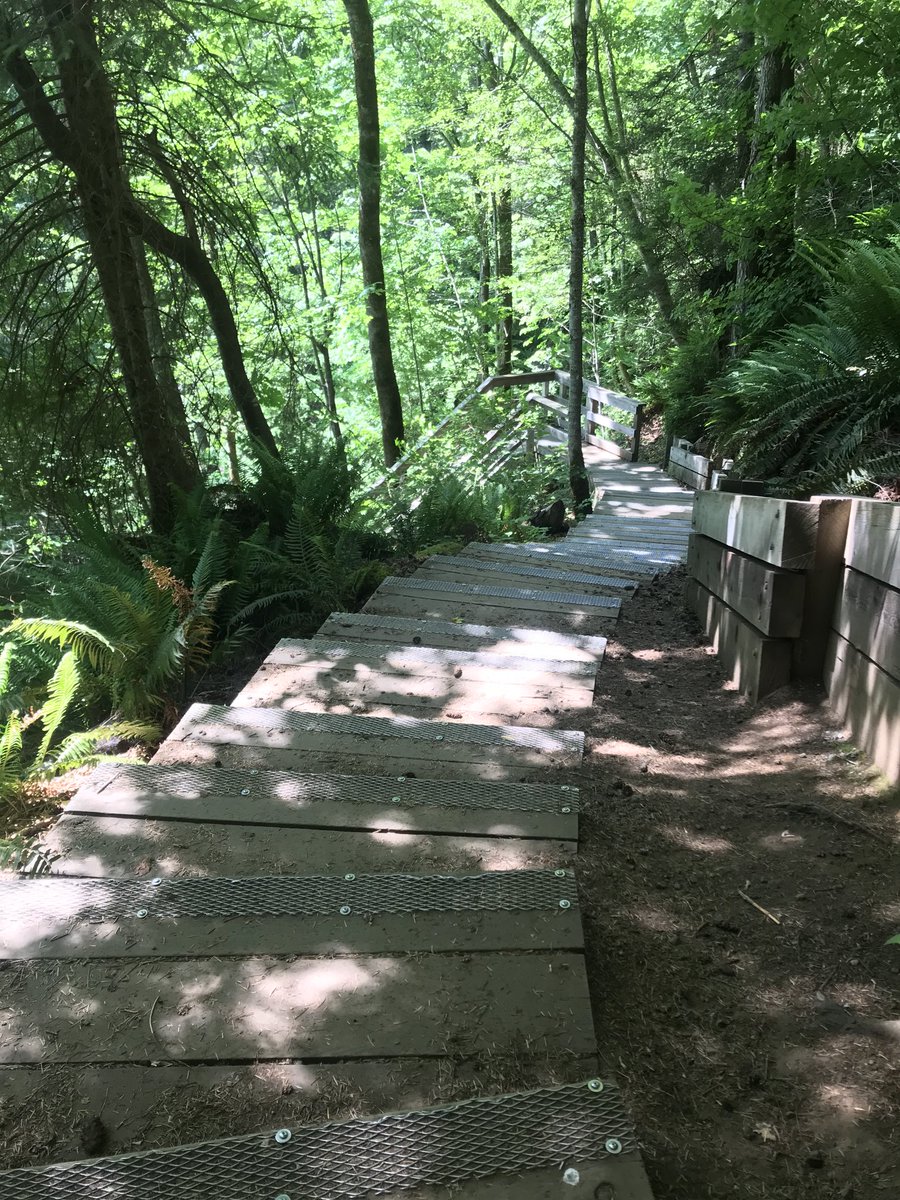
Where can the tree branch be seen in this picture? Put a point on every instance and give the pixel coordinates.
(30, 91)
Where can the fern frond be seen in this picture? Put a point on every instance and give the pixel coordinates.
(83, 641)
(61, 692)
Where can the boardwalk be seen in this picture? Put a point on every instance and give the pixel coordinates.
(349, 892)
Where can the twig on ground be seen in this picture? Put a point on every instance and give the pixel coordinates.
(765, 912)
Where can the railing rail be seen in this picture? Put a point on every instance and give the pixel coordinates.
(593, 418)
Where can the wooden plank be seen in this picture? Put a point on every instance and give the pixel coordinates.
(276, 739)
(349, 802)
(868, 617)
(780, 532)
(770, 598)
(599, 392)
(757, 664)
(688, 464)
(561, 562)
(63, 934)
(823, 583)
(597, 418)
(610, 447)
(430, 661)
(505, 700)
(546, 615)
(501, 595)
(520, 575)
(873, 541)
(273, 1008)
(524, 377)
(867, 700)
(121, 847)
(498, 639)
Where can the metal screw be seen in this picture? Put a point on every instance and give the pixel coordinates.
(565, 904)
(245, 791)
(565, 808)
(345, 910)
(559, 873)
(571, 1176)
(565, 788)
(350, 877)
(439, 737)
(613, 1146)
(254, 770)
(155, 882)
(595, 1085)
(396, 799)
(282, 1136)
(142, 912)
(282, 1196)
(401, 779)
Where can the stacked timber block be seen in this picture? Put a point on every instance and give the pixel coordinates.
(763, 574)
(862, 664)
(693, 470)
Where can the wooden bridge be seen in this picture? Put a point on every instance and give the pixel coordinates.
(348, 894)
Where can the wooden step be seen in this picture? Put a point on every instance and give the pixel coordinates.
(516, 641)
(417, 681)
(338, 916)
(462, 568)
(559, 560)
(276, 739)
(441, 600)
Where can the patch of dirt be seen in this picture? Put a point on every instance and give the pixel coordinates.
(761, 1056)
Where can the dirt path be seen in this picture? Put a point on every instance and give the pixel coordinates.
(760, 1059)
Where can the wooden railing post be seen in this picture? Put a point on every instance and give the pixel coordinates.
(636, 437)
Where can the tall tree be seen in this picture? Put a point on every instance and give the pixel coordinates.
(578, 477)
(369, 168)
(88, 142)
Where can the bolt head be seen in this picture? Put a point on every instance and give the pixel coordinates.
(565, 788)
(349, 876)
(572, 1177)
(613, 1146)
(254, 770)
(565, 904)
(245, 791)
(595, 1085)
(439, 737)
(565, 808)
(155, 882)
(559, 873)
(282, 1196)
(142, 912)
(401, 779)
(396, 799)
(345, 910)
(282, 1136)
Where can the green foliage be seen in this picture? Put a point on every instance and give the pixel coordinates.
(819, 408)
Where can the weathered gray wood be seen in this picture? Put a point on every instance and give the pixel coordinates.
(691, 469)
(757, 664)
(121, 846)
(272, 1008)
(823, 582)
(283, 740)
(780, 532)
(503, 701)
(560, 560)
(65, 936)
(867, 700)
(873, 541)
(497, 639)
(501, 595)
(868, 616)
(770, 598)
(464, 569)
(546, 614)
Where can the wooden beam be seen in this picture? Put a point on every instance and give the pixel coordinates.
(867, 700)
(691, 469)
(757, 664)
(780, 532)
(823, 583)
(771, 599)
(868, 616)
(873, 542)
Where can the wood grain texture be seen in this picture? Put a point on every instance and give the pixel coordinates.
(757, 664)
(779, 532)
(770, 598)
(868, 617)
(873, 541)
(867, 700)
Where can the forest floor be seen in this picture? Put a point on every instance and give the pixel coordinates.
(761, 1056)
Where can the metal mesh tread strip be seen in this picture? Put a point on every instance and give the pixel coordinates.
(468, 563)
(486, 592)
(96, 900)
(198, 782)
(409, 728)
(536, 553)
(474, 1139)
(338, 651)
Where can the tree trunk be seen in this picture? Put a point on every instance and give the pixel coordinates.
(88, 142)
(369, 170)
(505, 327)
(578, 477)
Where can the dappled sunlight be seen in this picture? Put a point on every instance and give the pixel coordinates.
(691, 840)
(653, 918)
(782, 841)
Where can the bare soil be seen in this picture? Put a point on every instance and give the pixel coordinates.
(760, 1050)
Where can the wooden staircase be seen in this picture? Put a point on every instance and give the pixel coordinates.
(349, 891)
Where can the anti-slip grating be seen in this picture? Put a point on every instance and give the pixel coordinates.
(277, 720)
(95, 900)
(437, 1147)
(199, 782)
(486, 592)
